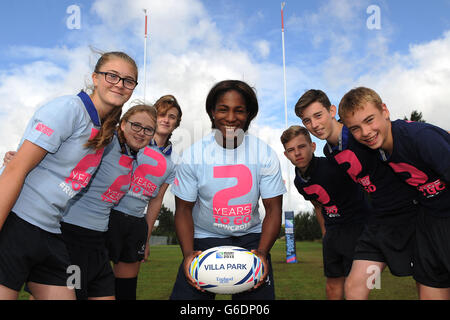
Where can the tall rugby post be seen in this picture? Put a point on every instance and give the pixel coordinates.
(145, 53)
(291, 255)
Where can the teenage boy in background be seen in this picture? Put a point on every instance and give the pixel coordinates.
(388, 237)
(419, 153)
(341, 205)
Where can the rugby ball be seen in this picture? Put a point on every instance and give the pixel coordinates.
(226, 269)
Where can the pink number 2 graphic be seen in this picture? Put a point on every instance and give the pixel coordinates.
(349, 157)
(417, 177)
(318, 190)
(323, 198)
(355, 169)
(79, 178)
(222, 211)
(140, 181)
(114, 194)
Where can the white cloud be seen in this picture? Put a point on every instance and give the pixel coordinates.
(417, 80)
(173, 25)
(25, 87)
(263, 48)
(332, 20)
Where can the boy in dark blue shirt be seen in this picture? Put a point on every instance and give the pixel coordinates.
(388, 238)
(341, 205)
(419, 153)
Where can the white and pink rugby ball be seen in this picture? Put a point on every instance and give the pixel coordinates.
(226, 269)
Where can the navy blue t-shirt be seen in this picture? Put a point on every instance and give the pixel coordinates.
(421, 158)
(342, 200)
(393, 201)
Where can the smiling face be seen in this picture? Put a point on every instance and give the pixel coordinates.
(318, 120)
(300, 151)
(370, 126)
(107, 95)
(167, 122)
(230, 114)
(137, 140)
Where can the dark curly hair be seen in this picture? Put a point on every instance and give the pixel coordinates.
(247, 92)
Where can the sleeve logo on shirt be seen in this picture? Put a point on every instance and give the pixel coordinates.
(44, 129)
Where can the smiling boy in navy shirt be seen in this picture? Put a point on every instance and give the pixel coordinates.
(388, 237)
(419, 153)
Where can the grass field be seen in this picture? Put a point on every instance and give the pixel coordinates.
(298, 281)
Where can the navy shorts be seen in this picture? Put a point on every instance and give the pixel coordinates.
(338, 247)
(432, 253)
(391, 244)
(126, 237)
(30, 254)
(182, 290)
(87, 251)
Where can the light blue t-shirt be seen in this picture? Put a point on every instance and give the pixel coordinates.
(154, 167)
(91, 207)
(61, 127)
(226, 185)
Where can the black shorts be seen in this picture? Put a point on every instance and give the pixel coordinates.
(182, 290)
(391, 244)
(28, 253)
(126, 237)
(432, 254)
(87, 251)
(338, 249)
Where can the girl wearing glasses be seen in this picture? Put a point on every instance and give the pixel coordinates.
(86, 219)
(217, 188)
(131, 224)
(59, 153)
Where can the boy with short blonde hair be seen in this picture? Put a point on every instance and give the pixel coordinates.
(419, 153)
(387, 239)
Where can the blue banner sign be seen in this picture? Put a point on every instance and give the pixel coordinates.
(291, 256)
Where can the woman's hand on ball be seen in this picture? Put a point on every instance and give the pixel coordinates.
(187, 264)
(263, 257)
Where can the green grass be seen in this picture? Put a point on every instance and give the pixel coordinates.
(297, 281)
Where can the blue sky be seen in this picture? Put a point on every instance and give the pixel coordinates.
(194, 44)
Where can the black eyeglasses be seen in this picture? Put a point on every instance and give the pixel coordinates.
(115, 79)
(136, 127)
